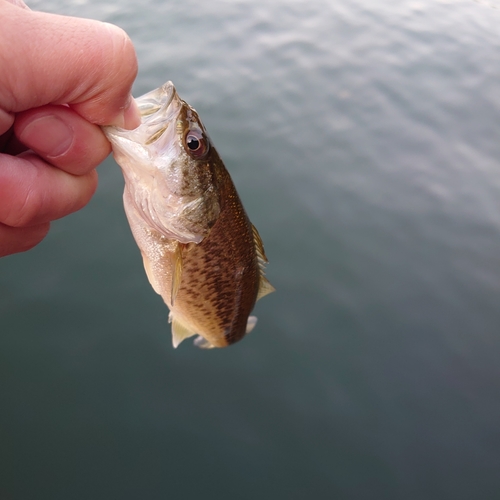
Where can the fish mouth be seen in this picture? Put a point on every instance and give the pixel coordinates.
(159, 108)
(157, 101)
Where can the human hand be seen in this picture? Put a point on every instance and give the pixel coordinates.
(60, 78)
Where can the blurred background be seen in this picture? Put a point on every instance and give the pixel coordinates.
(363, 138)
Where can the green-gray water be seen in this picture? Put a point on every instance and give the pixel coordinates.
(364, 140)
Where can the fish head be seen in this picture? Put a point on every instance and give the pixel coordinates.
(169, 167)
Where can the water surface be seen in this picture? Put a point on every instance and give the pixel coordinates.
(363, 138)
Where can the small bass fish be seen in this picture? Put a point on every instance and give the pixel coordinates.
(201, 253)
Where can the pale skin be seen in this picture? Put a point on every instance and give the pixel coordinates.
(60, 78)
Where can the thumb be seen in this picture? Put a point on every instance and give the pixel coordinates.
(52, 59)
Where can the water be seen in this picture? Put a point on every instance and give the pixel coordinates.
(363, 138)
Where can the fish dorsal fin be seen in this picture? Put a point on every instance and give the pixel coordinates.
(180, 332)
(264, 286)
(259, 246)
(176, 271)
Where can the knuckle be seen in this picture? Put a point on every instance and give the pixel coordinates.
(29, 207)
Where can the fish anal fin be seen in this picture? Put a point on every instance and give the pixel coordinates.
(264, 287)
(252, 321)
(179, 332)
(176, 271)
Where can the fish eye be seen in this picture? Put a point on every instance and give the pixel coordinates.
(196, 143)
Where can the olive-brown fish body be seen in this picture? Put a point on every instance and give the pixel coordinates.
(200, 251)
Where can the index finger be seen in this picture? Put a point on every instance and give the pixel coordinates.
(54, 59)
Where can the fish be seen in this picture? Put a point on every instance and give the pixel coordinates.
(200, 251)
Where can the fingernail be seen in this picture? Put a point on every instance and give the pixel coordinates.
(48, 135)
(130, 117)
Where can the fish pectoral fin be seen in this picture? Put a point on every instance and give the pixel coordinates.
(150, 275)
(202, 343)
(264, 287)
(176, 271)
(252, 321)
(179, 332)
